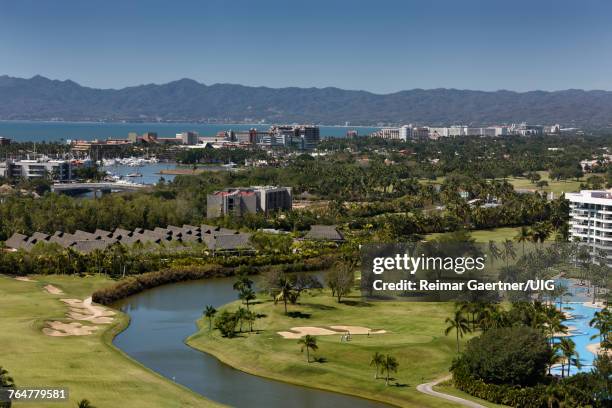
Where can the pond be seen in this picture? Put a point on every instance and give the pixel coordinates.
(162, 318)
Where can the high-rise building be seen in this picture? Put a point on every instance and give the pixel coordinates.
(591, 221)
(188, 138)
(310, 137)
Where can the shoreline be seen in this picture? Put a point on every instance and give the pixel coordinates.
(223, 359)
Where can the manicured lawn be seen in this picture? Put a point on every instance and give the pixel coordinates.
(89, 366)
(484, 236)
(415, 337)
(556, 187)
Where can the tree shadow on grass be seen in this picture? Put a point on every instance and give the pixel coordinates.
(358, 303)
(318, 306)
(299, 315)
(319, 360)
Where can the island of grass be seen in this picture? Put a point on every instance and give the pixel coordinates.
(414, 335)
(88, 365)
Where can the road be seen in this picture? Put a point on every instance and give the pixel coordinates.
(427, 388)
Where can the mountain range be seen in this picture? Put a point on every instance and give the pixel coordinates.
(40, 98)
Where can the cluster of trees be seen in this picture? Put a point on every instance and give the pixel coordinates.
(508, 366)
(509, 362)
(221, 156)
(386, 364)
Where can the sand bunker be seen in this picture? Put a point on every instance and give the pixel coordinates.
(59, 329)
(86, 311)
(358, 330)
(79, 310)
(301, 331)
(24, 279)
(595, 348)
(53, 290)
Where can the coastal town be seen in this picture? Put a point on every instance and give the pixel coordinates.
(305, 204)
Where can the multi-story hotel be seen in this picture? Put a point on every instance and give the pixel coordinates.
(591, 221)
(248, 200)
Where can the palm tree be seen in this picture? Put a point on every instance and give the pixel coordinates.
(377, 360)
(494, 250)
(508, 251)
(523, 236)
(458, 323)
(568, 350)
(389, 365)
(84, 404)
(308, 342)
(285, 291)
(242, 282)
(246, 295)
(602, 321)
(210, 313)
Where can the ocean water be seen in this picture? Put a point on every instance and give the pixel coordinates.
(60, 131)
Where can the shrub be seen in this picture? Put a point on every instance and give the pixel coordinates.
(136, 284)
(226, 323)
(509, 355)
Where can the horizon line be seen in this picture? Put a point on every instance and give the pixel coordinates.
(295, 86)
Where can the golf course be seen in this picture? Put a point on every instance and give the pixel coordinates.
(88, 365)
(413, 333)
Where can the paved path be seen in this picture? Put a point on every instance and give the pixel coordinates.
(427, 388)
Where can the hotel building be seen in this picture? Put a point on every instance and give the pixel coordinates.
(591, 221)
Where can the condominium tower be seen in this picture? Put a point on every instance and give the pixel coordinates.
(591, 221)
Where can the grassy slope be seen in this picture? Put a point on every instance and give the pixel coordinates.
(89, 366)
(416, 339)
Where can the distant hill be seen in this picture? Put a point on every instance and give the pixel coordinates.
(40, 98)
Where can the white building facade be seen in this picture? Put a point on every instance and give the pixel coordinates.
(591, 221)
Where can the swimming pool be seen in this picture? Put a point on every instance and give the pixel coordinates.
(581, 332)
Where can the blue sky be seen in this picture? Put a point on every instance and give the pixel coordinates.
(381, 46)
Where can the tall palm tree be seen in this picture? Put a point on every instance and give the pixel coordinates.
(377, 360)
(84, 404)
(389, 365)
(524, 235)
(285, 291)
(508, 251)
(602, 321)
(210, 313)
(458, 323)
(246, 295)
(494, 251)
(308, 342)
(568, 350)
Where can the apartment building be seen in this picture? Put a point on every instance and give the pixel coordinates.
(248, 200)
(59, 170)
(591, 221)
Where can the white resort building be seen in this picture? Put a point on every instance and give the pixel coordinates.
(591, 221)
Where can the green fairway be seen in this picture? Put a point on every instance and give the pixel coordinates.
(415, 336)
(557, 187)
(484, 236)
(89, 366)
